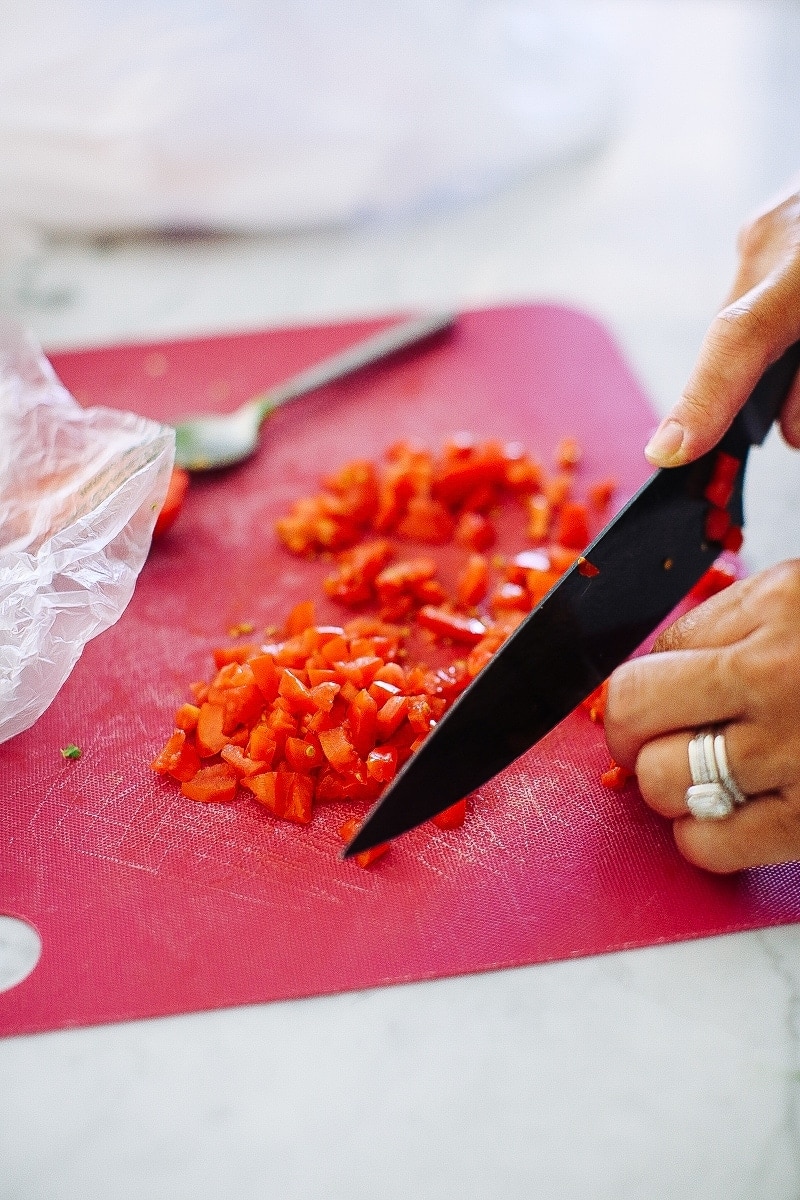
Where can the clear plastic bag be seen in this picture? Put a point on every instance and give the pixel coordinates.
(80, 490)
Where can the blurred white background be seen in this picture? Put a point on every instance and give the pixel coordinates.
(607, 166)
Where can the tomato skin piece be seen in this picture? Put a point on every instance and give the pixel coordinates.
(452, 817)
(177, 488)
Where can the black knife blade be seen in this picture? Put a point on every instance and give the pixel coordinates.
(646, 561)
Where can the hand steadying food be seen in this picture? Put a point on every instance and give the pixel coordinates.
(730, 668)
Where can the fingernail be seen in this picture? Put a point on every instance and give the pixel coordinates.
(663, 449)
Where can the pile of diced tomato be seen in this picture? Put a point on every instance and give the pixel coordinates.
(326, 713)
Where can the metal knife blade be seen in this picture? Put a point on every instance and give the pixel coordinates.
(647, 560)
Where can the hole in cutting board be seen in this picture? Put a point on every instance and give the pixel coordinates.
(20, 949)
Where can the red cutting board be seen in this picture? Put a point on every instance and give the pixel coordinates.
(149, 904)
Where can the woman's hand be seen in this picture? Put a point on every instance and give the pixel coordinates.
(734, 663)
(760, 319)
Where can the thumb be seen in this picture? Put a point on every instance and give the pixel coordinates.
(742, 341)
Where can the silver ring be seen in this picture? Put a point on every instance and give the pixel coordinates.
(726, 778)
(714, 792)
(709, 801)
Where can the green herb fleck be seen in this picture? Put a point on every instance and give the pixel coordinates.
(71, 751)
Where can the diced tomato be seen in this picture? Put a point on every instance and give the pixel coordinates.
(616, 777)
(210, 735)
(241, 763)
(715, 579)
(214, 784)
(390, 717)
(733, 539)
(723, 476)
(179, 758)
(568, 453)
(296, 693)
(453, 626)
(287, 794)
(510, 597)
(186, 717)
(362, 716)
(540, 512)
(326, 714)
(572, 528)
(452, 817)
(475, 531)
(426, 520)
(366, 858)
(382, 763)
(177, 488)
(595, 703)
(337, 748)
(718, 522)
(473, 582)
(600, 494)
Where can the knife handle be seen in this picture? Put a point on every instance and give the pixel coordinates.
(761, 409)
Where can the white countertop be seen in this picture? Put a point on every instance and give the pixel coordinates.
(668, 1072)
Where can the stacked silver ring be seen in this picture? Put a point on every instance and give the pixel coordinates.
(714, 793)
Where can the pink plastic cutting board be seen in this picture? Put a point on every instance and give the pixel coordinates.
(149, 904)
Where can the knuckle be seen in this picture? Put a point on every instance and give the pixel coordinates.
(742, 329)
(755, 235)
(654, 780)
(620, 719)
(700, 844)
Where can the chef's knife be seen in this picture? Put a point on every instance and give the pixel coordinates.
(646, 560)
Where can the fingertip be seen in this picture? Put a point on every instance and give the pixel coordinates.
(666, 447)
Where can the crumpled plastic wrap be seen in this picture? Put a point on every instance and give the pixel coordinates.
(80, 490)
